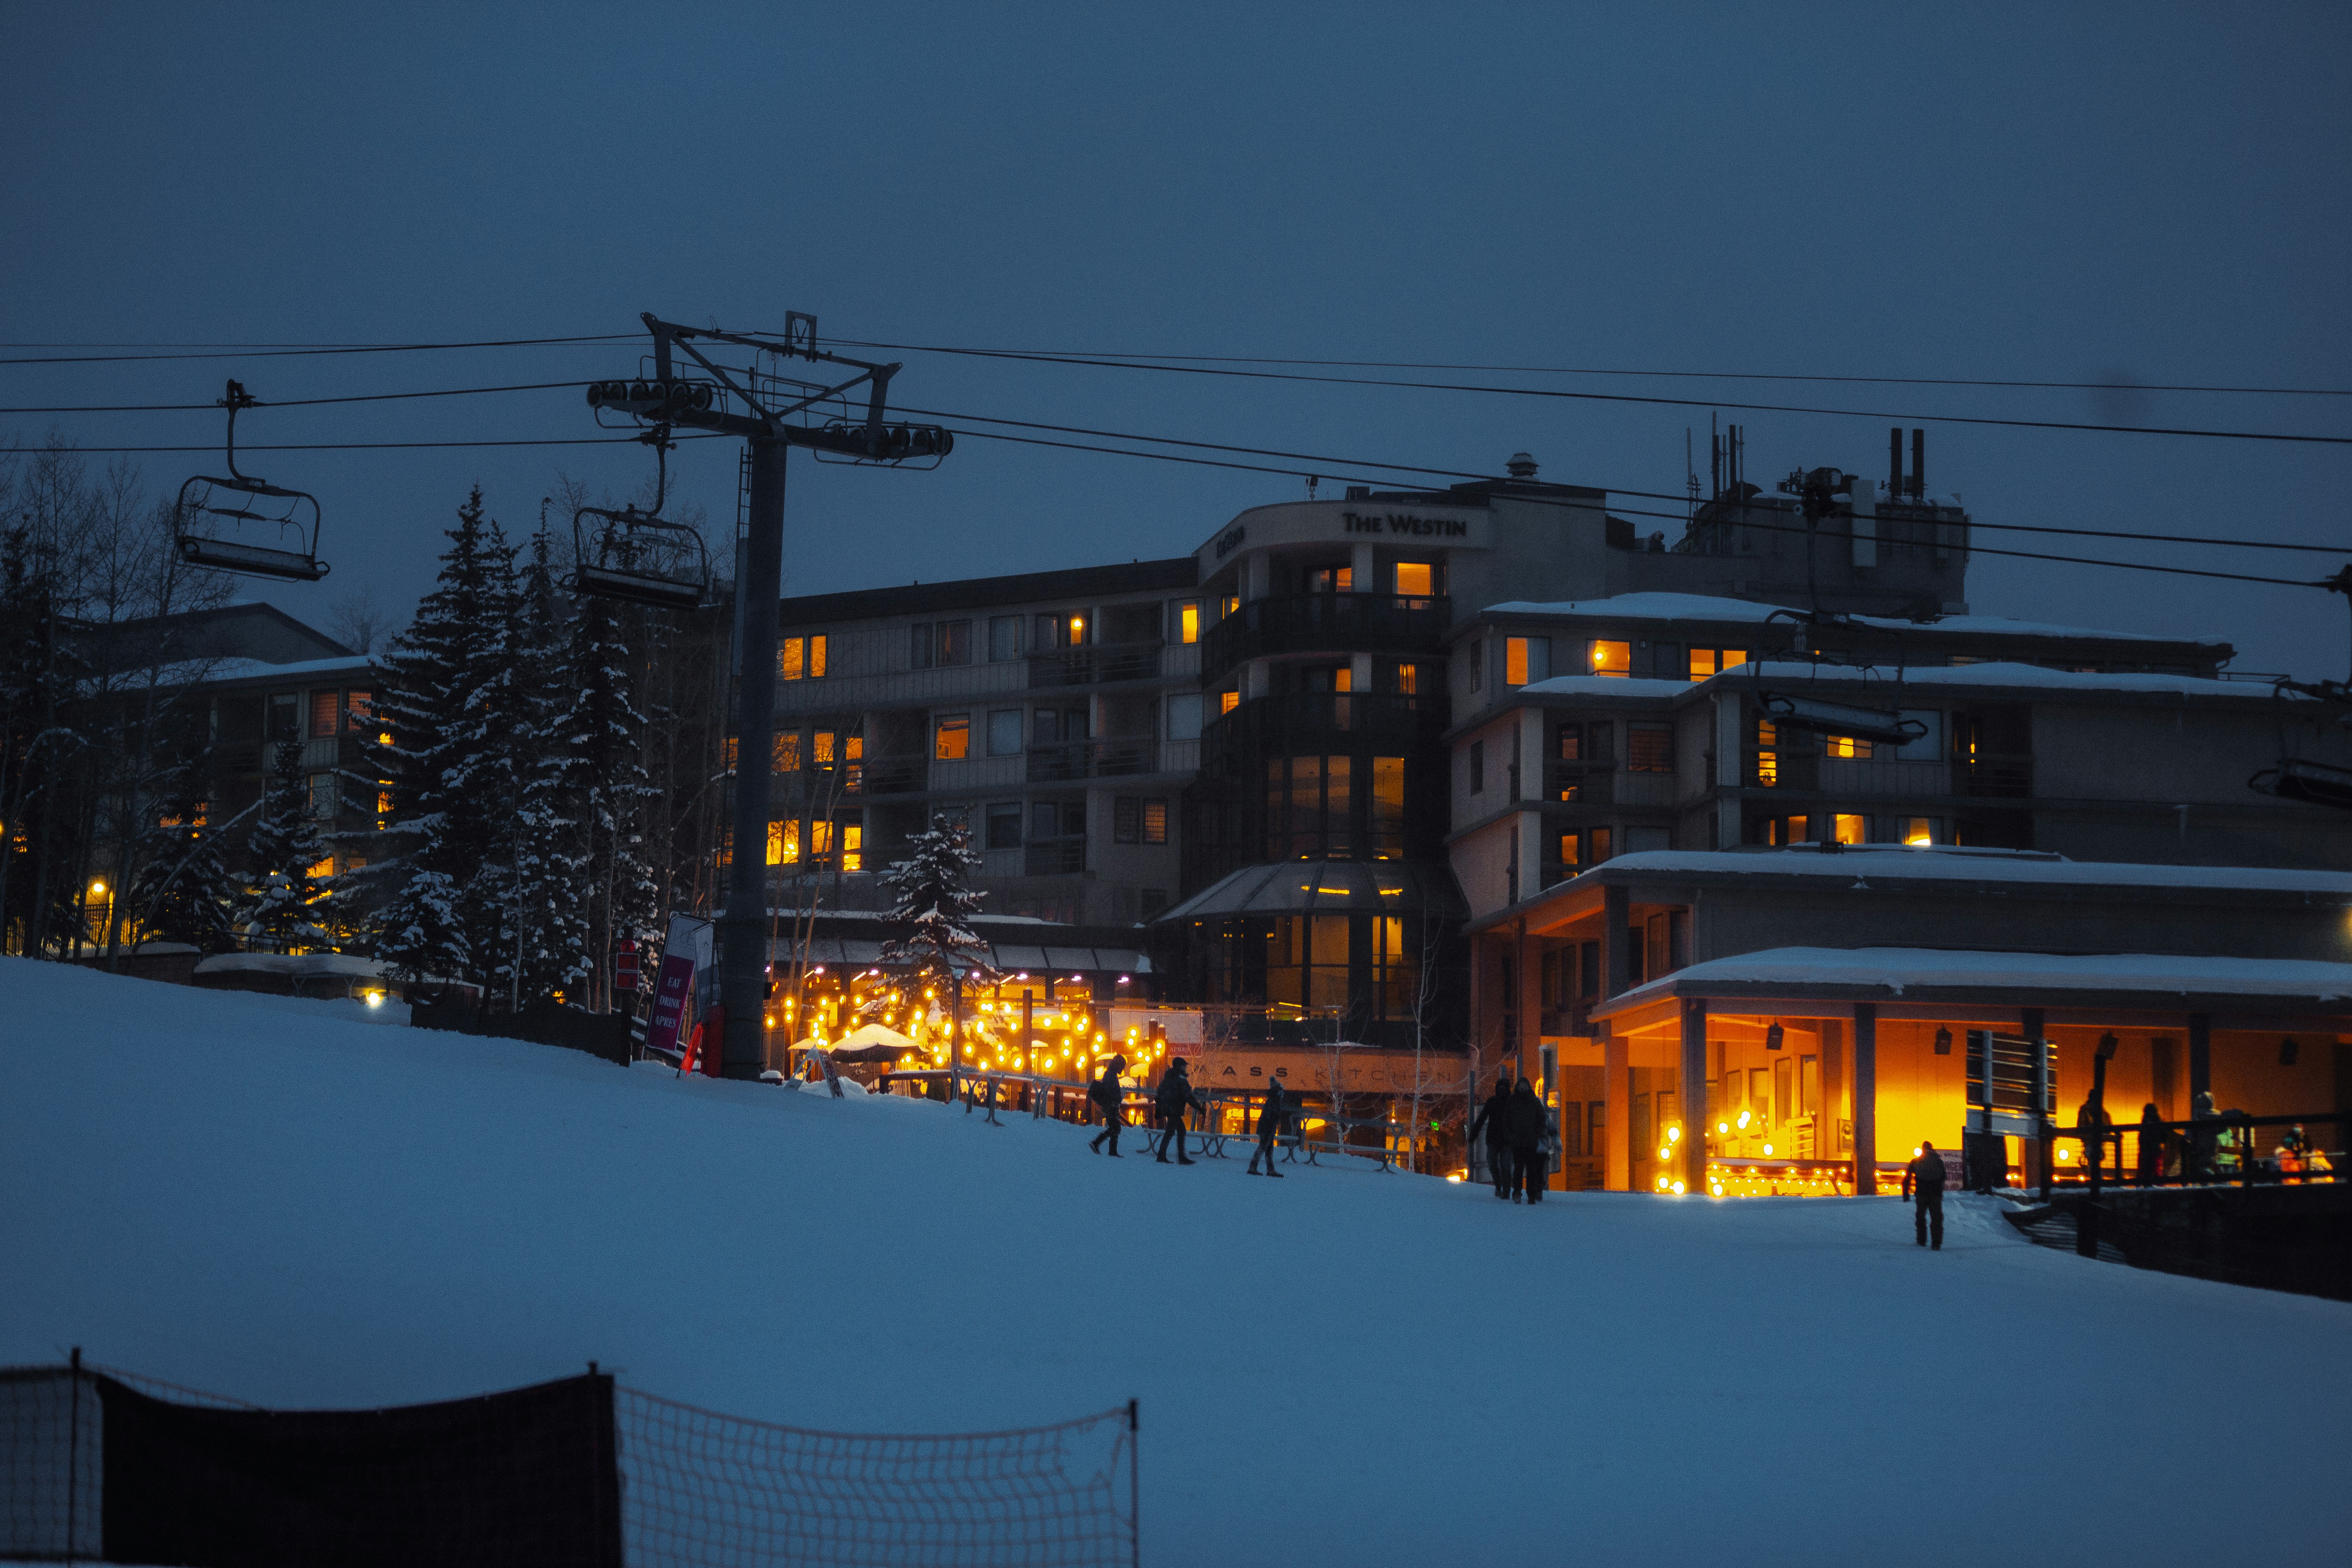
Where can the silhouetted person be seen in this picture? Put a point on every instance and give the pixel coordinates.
(1923, 1183)
(1174, 1099)
(1526, 1113)
(1270, 1118)
(2196, 1161)
(2151, 1145)
(1494, 1117)
(1105, 1093)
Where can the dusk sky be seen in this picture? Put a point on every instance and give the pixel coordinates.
(2151, 194)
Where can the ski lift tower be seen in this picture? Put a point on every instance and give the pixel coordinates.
(773, 412)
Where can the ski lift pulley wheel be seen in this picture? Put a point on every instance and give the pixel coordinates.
(245, 524)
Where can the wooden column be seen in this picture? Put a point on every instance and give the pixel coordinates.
(1693, 1150)
(1616, 952)
(2201, 1057)
(1866, 1099)
(1617, 1097)
(1528, 977)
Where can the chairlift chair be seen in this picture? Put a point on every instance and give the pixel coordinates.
(1816, 717)
(209, 520)
(2316, 784)
(638, 556)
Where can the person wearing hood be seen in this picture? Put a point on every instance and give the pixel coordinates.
(1525, 1114)
(1494, 1117)
(1175, 1098)
(1109, 1099)
(1270, 1118)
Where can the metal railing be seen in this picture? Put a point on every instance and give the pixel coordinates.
(2218, 1151)
(1104, 759)
(1326, 623)
(1999, 774)
(1096, 664)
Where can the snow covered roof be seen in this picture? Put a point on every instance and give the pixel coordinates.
(1897, 970)
(1884, 676)
(300, 965)
(1712, 607)
(1938, 863)
(241, 668)
(1329, 887)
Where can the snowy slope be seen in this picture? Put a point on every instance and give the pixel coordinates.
(269, 1199)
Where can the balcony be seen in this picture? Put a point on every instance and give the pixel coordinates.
(1299, 722)
(1325, 623)
(1076, 760)
(1893, 778)
(887, 776)
(1994, 774)
(1053, 856)
(1097, 666)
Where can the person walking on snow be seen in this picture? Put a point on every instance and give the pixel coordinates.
(1174, 1099)
(1108, 1099)
(1494, 1117)
(1923, 1181)
(1526, 1115)
(1270, 1116)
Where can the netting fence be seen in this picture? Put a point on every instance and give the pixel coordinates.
(99, 1465)
(706, 1490)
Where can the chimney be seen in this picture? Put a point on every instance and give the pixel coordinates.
(1895, 464)
(1918, 465)
(1520, 467)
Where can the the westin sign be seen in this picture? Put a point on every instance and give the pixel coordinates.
(1404, 523)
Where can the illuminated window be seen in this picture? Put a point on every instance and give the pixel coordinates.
(792, 659)
(322, 870)
(1768, 770)
(1570, 743)
(951, 742)
(1076, 629)
(1526, 659)
(1415, 579)
(727, 754)
(1155, 822)
(1188, 621)
(1917, 831)
(325, 712)
(1767, 732)
(1228, 701)
(1733, 657)
(816, 658)
(820, 838)
(783, 842)
(853, 843)
(1571, 849)
(1612, 658)
(1847, 746)
(1849, 828)
(1331, 580)
(359, 710)
(822, 756)
(1232, 603)
(1408, 679)
(1708, 661)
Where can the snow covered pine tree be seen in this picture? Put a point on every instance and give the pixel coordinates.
(934, 910)
(278, 912)
(183, 891)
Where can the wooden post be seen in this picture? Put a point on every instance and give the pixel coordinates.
(1693, 1096)
(1527, 976)
(1617, 1101)
(2044, 1135)
(1616, 950)
(2201, 1057)
(1866, 1099)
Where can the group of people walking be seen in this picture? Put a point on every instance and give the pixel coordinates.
(1522, 1139)
(1174, 1099)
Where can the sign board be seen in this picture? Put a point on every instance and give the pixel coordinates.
(1363, 1069)
(685, 957)
(625, 966)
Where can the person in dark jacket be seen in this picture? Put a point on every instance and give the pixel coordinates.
(1108, 1098)
(1525, 1120)
(1494, 1117)
(1174, 1099)
(1923, 1182)
(2151, 1145)
(1270, 1118)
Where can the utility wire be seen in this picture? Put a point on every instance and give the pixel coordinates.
(1610, 489)
(362, 349)
(1623, 397)
(1970, 549)
(1678, 374)
(293, 402)
(244, 447)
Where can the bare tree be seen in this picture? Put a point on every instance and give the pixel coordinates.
(358, 620)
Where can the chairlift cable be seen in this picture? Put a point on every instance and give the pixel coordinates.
(362, 348)
(296, 402)
(1680, 374)
(1632, 398)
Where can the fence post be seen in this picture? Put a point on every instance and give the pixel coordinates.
(73, 1452)
(1134, 1487)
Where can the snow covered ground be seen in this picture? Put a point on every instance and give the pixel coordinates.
(274, 1199)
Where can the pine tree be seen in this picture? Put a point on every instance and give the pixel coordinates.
(544, 937)
(278, 908)
(934, 911)
(603, 732)
(440, 693)
(183, 891)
